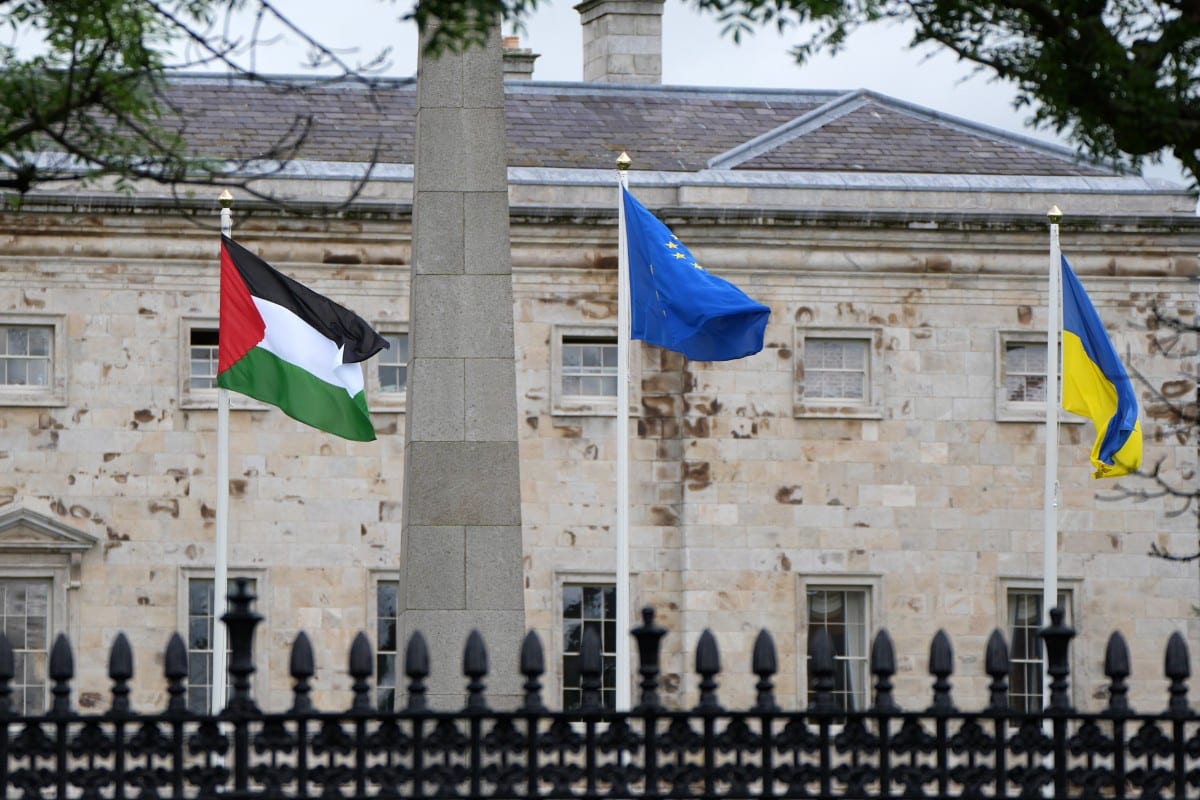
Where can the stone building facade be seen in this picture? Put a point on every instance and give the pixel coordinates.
(878, 464)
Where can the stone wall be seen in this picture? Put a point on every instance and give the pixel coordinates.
(934, 503)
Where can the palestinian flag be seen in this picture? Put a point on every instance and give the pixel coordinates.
(282, 343)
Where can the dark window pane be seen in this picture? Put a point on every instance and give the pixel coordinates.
(570, 672)
(572, 635)
(572, 602)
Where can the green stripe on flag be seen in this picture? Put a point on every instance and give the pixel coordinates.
(299, 394)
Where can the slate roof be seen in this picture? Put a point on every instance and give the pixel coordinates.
(573, 125)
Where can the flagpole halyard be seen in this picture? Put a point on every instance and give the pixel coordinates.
(1050, 486)
(221, 556)
(624, 666)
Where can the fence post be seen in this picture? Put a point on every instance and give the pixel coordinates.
(1057, 637)
(240, 622)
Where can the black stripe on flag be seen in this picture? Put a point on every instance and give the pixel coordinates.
(335, 322)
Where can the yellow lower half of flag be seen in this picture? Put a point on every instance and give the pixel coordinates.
(1087, 392)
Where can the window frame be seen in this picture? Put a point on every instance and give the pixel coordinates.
(870, 407)
(260, 678)
(204, 399)
(36, 547)
(871, 586)
(54, 394)
(1024, 410)
(377, 398)
(589, 406)
(563, 579)
(375, 580)
(1070, 587)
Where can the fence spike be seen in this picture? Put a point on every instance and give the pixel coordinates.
(820, 652)
(301, 667)
(1116, 667)
(533, 666)
(7, 671)
(708, 666)
(997, 664)
(240, 621)
(883, 667)
(764, 664)
(475, 667)
(648, 636)
(120, 670)
(416, 667)
(175, 669)
(1178, 668)
(62, 669)
(1057, 637)
(360, 671)
(591, 666)
(941, 667)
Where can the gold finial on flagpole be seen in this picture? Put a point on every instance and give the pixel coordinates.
(226, 199)
(624, 161)
(1055, 215)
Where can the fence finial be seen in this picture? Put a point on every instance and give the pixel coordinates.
(883, 667)
(62, 669)
(416, 667)
(301, 668)
(240, 621)
(475, 667)
(820, 651)
(648, 636)
(997, 664)
(533, 665)
(1178, 668)
(1057, 637)
(360, 672)
(764, 664)
(120, 670)
(708, 666)
(175, 669)
(941, 667)
(1116, 667)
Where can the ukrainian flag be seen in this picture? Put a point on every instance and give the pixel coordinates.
(1096, 385)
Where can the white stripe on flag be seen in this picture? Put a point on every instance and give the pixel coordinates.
(291, 338)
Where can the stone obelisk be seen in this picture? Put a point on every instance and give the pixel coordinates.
(461, 556)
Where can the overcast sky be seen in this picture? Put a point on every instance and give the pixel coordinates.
(694, 54)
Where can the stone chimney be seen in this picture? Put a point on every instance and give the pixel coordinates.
(622, 40)
(518, 61)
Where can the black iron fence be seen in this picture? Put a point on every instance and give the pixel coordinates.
(823, 751)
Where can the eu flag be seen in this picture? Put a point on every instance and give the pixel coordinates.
(1096, 385)
(676, 304)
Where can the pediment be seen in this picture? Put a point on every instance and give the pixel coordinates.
(22, 530)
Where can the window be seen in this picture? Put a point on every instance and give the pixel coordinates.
(835, 374)
(25, 605)
(842, 613)
(202, 358)
(393, 364)
(1025, 619)
(584, 370)
(42, 562)
(835, 369)
(25, 355)
(386, 647)
(32, 360)
(588, 606)
(200, 620)
(589, 367)
(199, 341)
(1025, 372)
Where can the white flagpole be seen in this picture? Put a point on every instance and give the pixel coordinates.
(624, 666)
(221, 556)
(1050, 491)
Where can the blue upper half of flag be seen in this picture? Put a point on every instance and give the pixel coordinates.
(676, 304)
